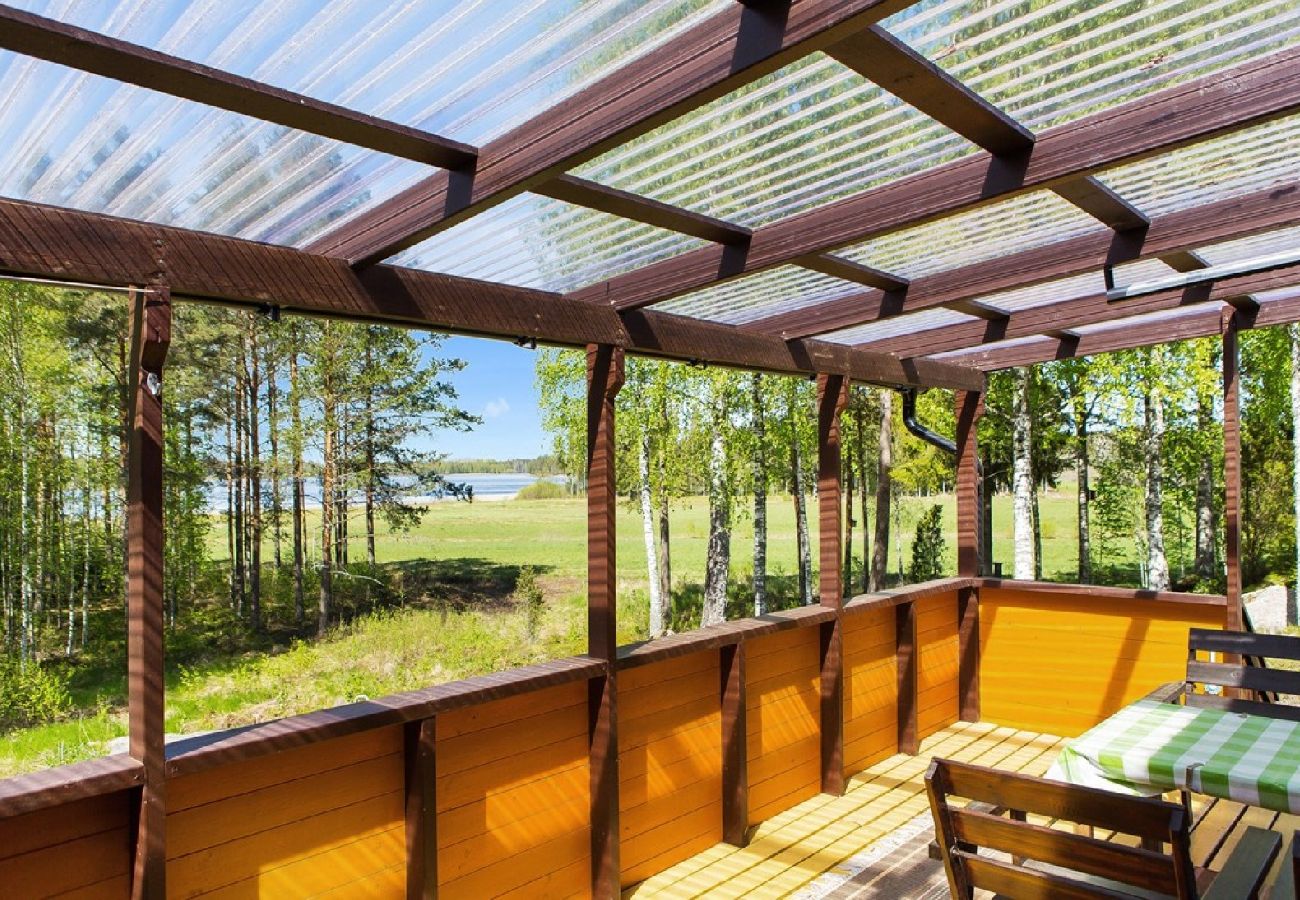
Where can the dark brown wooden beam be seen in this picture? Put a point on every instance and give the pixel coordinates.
(66, 245)
(969, 408)
(150, 335)
(1091, 309)
(421, 810)
(847, 270)
(737, 45)
(1246, 95)
(735, 752)
(968, 654)
(1103, 204)
(591, 195)
(605, 373)
(832, 399)
(908, 658)
(88, 51)
(1196, 227)
(878, 56)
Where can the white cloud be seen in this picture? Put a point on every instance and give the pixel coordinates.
(496, 408)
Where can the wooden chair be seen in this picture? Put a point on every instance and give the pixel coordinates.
(1255, 685)
(1289, 875)
(1047, 862)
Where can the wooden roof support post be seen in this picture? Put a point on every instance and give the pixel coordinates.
(832, 398)
(419, 749)
(150, 333)
(735, 747)
(970, 521)
(1234, 621)
(604, 379)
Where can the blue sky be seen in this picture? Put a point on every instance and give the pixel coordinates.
(498, 385)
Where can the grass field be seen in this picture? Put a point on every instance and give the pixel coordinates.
(457, 616)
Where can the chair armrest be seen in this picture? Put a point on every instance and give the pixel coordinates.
(1168, 693)
(1243, 873)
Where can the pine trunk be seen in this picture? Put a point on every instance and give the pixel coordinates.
(1022, 479)
(370, 463)
(298, 523)
(759, 465)
(800, 515)
(884, 477)
(254, 479)
(1205, 537)
(277, 473)
(327, 533)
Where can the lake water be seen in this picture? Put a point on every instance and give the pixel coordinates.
(486, 485)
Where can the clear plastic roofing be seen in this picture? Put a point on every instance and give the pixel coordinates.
(793, 143)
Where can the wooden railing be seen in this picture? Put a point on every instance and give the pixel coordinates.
(482, 787)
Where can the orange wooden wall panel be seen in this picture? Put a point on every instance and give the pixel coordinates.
(513, 796)
(937, 663)
(783, 709)
(1061, 664)
(870, 688)
(80, 849)
(303, 823)
(670, 762)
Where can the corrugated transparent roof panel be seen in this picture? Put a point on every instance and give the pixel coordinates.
(961, 356)
(1252, 247)
(534, 241)
(807, 134)
(780, 290)
(1165, 315)
(1246, 161)
(1050, 62)
(90, 143)
(1073, 287)
(467, 70)
(981, 234)
(898, 326)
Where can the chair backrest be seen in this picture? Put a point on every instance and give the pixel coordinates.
(1255, 680)
(1048, 861)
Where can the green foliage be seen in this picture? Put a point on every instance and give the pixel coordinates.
(31, 694)
(528, 595)
(542, 489)
(928, 546)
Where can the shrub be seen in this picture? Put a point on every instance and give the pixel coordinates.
(927, 546)
(542, 489)
(528, 594)
(31, 695)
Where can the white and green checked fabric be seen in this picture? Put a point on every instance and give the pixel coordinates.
(1149, 748)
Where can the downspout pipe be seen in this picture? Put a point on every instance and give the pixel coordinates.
(933, 438)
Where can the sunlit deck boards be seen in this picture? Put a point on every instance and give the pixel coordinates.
(811, 848)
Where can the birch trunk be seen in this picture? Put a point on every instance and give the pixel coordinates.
(719, 550)
(1022, 480)
(1154, 422)
(658, 624)
(884, 478)
(759, 465)
(800, 514)
(254, 479)
(665, 561)
(1081, 463)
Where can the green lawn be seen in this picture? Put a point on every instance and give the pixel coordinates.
(456, 572)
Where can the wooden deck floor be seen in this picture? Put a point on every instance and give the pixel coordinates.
(815, 848)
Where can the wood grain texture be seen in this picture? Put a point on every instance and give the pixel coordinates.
(870, 689)
(832, 399)
(81, 846)
(938, 664)
(1232, 469)
(1060, 664)
(735, 754)
(670, 763)
(783, 710)
(63, 784)
(513, 796)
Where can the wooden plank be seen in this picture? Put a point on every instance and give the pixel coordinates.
(1102, 203)
(150, 335)
(605, 375)
(1235, 620)
(592, 195)
(740, 43)
(55, 787)
(89, 51)
(735, 754)
(1246, 95)
(832, 399)
(968, 652)
(878, 56)
(1269, 646)
(1168, 234)
(98, 249)
(848, 270)
(969, 407)
(908, 658)
(421, 810)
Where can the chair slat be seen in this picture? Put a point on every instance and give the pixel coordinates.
(1244, 643)
(1251, 678)
(1026, 884)
(1130, 865)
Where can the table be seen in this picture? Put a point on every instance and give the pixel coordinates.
(1150, 747)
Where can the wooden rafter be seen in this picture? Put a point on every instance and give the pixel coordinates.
(1165, 236)
(75, 246)
(1100, 202)
(1246, 95)
(91, 52)
(731, 48)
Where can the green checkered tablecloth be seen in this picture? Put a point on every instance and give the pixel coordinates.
(1150, 747)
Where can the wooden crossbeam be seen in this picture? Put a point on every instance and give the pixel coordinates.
(729, 49)
(878, 56)
(88, 51)
(1165, 236)
(1246, 95)
(591, 195)
(848, 270)
(67, 245)
(1102, 203)
(1091, 309)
